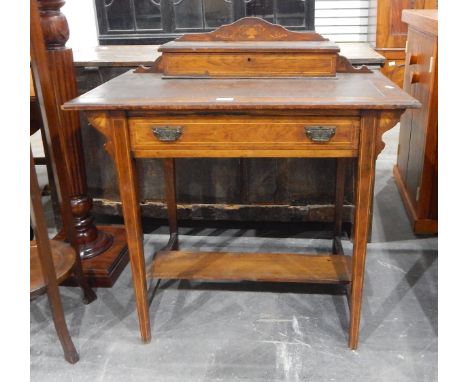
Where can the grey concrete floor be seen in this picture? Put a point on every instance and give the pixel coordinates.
(260, 332)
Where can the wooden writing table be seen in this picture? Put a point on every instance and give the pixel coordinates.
(248, 89)
(288, 189)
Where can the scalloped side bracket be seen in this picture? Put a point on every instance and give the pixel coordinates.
(100, 121)
(387, 120)
(344, 66)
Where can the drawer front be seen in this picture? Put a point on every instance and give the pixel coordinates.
(249, 65)
(234, 136)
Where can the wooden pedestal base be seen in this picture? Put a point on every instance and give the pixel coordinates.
(102, 271)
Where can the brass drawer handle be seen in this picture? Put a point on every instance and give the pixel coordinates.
(320, 133)
(167, 133)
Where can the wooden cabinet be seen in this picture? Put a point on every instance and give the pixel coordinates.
(416, 169)
(388, 33)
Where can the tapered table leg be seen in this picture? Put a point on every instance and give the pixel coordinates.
(125, 167)
(364, 185)
(339, 200)
(170, 190)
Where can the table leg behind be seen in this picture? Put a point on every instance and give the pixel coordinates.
(364, 186)
(170, 190)
(339, 200)
(125, 167)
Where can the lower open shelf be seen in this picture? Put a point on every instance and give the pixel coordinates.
(270, 267)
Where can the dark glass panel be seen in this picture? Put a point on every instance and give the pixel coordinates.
(148, 14)
(260, 8)
(158, 21)
(291, 13)
(119, 14)
(188, 14)
(217, 12)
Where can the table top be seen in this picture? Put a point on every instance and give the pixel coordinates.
(249, 46)
(134, 55)
(149, 91)
(425, 20)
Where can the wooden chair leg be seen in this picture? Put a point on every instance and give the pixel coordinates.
(70, 353)
(364, 180)
(50, 176)
(170, 190)
(339, 200)
(47, 266)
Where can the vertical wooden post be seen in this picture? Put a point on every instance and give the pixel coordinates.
(46, 98)
(91, 241)
(50, 116)
(128, 186)
(364, 186)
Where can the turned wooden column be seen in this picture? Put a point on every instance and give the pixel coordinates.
(91, 241)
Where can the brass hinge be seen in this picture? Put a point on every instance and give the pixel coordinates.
(398, 150)
(417, 193)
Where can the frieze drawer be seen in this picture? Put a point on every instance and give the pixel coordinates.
(247, 136)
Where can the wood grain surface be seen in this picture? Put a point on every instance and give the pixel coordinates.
(249, 64)
(223, 136)
(284, 267)
(424, 20)
(63, 256)
(149, 91)
(359, 53)
(252, 29)
(248, 46)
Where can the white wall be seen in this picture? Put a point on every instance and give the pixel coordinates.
(342, 20)
(81, 19)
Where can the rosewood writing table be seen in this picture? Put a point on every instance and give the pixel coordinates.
(248, 89)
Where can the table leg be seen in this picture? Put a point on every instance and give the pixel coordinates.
(339, 200)
(170, 190)
(364, 185)
(125, 166)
